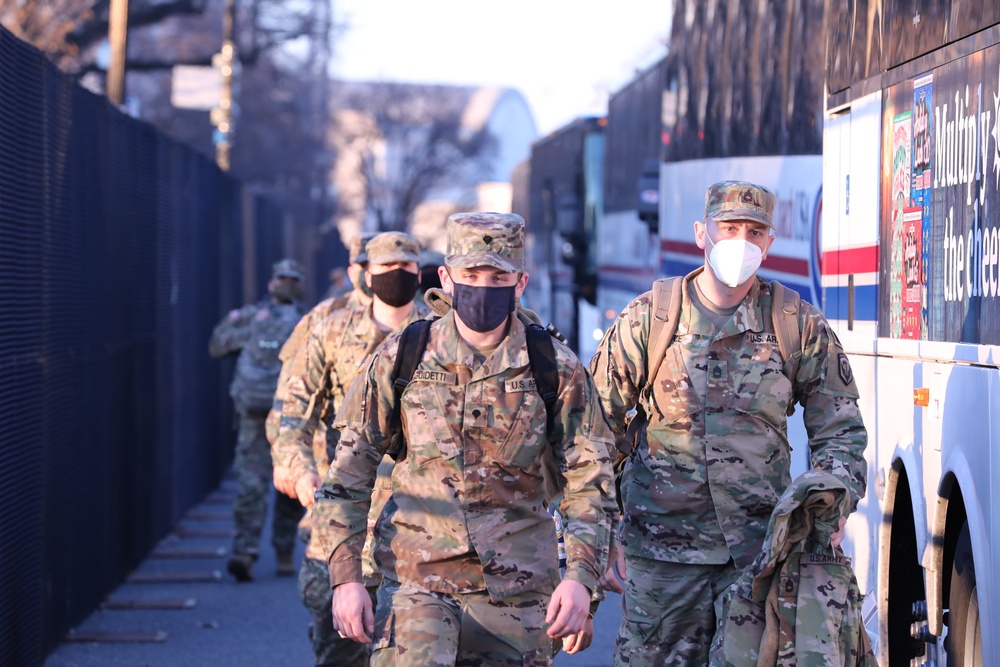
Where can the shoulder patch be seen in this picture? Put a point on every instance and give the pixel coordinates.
(844, 369)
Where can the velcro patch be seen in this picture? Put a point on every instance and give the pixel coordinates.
(525, 384)
(758, 338)
(439, 377)
(825, 559)
(844, 369)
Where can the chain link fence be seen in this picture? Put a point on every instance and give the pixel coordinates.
(119, 251)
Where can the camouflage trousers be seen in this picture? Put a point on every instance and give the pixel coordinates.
(415, 627)
(330, 648)
(670, 612)
(252, 465)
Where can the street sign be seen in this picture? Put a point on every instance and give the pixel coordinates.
(195, 87)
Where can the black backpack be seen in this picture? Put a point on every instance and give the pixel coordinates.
(413, 342)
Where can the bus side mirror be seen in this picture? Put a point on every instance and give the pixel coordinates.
(648, 206)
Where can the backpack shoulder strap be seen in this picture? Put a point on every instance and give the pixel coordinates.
(665, 308)
(412, 343)
(785, 317)
(542, 358)
(785, 305)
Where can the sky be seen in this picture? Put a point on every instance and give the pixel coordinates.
(564, 56)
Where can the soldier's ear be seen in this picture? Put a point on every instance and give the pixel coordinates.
(445, 277)
(522, 282)
(700, 230)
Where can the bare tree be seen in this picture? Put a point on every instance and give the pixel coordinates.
(404, 143)
(46, 24)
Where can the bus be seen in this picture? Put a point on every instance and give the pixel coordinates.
(691, 120)
(911, 282)
(559, 193)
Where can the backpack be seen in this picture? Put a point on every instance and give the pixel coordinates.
(259, 363)
(666, 309)
(413, 342)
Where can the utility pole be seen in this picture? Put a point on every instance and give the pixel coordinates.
(225, 62)
(117, 38)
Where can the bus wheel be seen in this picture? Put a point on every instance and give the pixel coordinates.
(964, 643)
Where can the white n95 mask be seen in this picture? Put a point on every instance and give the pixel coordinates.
(734, 260)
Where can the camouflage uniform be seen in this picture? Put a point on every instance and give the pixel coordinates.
(466, 547)
(798, 603)
(318, 377)
(708, 468)
(266, 324)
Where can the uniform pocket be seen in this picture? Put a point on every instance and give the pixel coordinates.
(429, 436)
(519, 423)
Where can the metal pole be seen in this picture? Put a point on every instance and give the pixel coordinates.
(225, 117)
(117, 38)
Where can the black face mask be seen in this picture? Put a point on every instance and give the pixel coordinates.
(482, 309)
(395, 288)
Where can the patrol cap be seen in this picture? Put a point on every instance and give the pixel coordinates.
(389, 247)
(485, 239)
(739, 200)
(288, 268)
(357, 252)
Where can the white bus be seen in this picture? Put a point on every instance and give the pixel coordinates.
(911, 281)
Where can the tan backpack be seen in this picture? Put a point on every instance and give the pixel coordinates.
(666, 309)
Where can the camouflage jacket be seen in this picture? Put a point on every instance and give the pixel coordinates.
(233, 331)
(320, 373)
(468, 511)
(318, 313)
(798, 603)
(255, 332)
(714, 458)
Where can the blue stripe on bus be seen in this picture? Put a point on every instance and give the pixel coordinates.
(865, 302)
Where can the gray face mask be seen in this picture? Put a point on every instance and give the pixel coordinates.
(287, 292)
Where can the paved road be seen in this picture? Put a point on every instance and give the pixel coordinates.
(257, 624)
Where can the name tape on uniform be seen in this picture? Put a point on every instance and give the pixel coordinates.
(440, 377)
(758, 338)
(526, 384)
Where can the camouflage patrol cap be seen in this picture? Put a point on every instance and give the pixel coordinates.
(357, 252)
(288, 268)
(486, 239)
(390, 247)
(739, 200)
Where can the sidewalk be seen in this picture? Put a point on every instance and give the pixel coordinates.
(217, 622)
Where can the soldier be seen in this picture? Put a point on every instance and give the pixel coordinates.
(466, 548)
(257, 332)
(319, 376)
(713, 457)
(356, 298)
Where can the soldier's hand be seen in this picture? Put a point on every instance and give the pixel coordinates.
(305, 489)
(581, 640)
(614, 576)
(283, 481)
(838, 537)
(352, 612)
(568, 609)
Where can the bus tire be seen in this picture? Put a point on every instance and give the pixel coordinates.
(964, 643)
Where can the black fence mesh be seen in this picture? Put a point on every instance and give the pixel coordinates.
(119, 250)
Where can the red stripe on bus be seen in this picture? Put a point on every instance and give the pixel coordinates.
(791, 265)
(850, 260)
